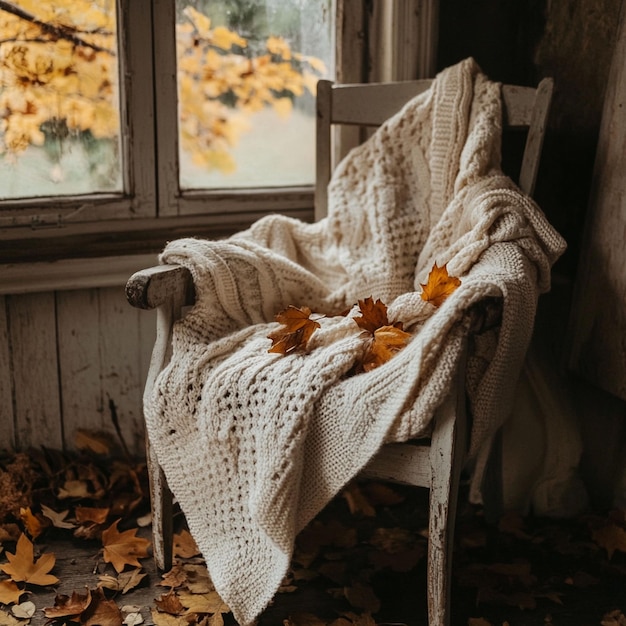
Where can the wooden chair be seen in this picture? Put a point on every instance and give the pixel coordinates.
(435, 463)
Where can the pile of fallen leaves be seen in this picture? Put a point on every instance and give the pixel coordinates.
(83, 495)
(543, 571)
(360, 562)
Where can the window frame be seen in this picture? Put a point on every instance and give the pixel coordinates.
(136, 224)
(138, 198)
(173, 201)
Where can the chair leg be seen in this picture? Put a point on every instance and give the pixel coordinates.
(162, 513)
(446, 459)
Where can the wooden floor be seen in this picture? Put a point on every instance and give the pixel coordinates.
(537, 573)
(361, 561)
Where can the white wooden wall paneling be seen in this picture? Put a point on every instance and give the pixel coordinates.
(104, 351)
(120, 364)
(33, 352)
(7, 432)
(78, 320)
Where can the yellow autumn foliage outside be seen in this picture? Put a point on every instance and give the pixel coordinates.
(59, 71)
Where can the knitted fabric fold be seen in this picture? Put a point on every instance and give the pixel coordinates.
(254, 444)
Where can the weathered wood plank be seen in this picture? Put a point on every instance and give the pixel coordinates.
(33, 341)
(79, 363)
(598, 332)
(7, 428)
(403, 463)
(119, 349)
(147, 336)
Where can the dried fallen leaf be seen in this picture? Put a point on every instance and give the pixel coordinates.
(362, 596)
(123, 548)
(101, 612)
(613, 618)
(165, 619)
(610, 537)
(10, 593)
(57, 518)
(132, 615)
(386, 342)
(357, 502)
(385, 339)
(176, 577)
(96, 515)
(478, 621)
(33, 525)
(295, 332)
(74, 489)
(6, 619)
(25, 610)
(185, 545)
(68, 606)
(373, 315)
(439, 285)
(23, 567)
(203, 602)
(124, 582)
(169, 603)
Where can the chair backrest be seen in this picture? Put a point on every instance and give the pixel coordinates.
(370, 104)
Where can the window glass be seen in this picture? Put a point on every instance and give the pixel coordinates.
(59, 98)
(247, 71)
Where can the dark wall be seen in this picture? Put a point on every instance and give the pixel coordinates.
(521, 41)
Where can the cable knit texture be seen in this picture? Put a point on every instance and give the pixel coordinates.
(254, 444)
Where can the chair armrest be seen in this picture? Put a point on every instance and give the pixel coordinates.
(154, 286)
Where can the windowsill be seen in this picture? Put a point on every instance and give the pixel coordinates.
(97, 254)
(20, 278)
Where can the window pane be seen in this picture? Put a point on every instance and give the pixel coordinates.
(59, 98)
(247, 71)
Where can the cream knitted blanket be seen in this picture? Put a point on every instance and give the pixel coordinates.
(254, 444)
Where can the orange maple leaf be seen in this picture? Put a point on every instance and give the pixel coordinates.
(123, 548)
(10, 593)
(373, 315)
(386, 342)
(23, 567)
(385, 338)
(439, 285)
(295, 332)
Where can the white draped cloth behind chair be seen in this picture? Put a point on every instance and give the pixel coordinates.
(254, 444)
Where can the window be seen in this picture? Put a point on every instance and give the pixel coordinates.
(125, 123)
(229, 129)
(60, 99)
(247, 73)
